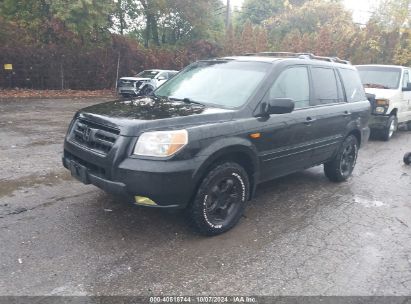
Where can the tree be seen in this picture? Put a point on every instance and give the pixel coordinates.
(319, 26)
(44, 19)
(257, 11)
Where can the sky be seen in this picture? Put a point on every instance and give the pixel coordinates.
(361, 8)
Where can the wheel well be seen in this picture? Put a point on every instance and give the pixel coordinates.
(241, 158)
(357, 134)
(394, 112)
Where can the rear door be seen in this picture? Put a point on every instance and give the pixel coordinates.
(329, 112)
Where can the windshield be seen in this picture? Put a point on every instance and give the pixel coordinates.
(379, 77)
(228, 84)
(148, 74)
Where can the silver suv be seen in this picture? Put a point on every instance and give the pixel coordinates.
(144, 83)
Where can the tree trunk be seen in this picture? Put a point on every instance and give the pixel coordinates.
(154, 30)
(147, 31)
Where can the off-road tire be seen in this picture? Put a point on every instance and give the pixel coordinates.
(389, 130)
(339, 169)
(407, 158)
(198, 210)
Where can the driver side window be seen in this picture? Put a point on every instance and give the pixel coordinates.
(293, 83)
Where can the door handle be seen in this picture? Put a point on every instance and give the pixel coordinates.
(346, 113)
(309, 120)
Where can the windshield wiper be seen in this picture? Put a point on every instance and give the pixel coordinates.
(185, 100)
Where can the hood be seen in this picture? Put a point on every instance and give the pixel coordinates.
(133, 116)
(382, 93)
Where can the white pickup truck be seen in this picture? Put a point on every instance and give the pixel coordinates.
(143, 83)
(391, 86)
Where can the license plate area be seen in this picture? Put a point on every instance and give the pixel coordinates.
(79, 172)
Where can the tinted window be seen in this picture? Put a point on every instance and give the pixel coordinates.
(325, 86)
(294, 84)
(352, 85)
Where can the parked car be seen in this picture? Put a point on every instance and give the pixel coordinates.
(392, 87)
(204, 140)
(144, 83)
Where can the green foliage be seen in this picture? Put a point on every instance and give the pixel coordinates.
(47, 35)
(258, 11)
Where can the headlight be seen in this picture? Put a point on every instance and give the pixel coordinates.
(382, 102)
(161, 143)
(380, 110)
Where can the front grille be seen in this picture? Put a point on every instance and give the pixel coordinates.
(126, 83)
(94, 136)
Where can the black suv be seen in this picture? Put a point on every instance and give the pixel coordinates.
(205, 139)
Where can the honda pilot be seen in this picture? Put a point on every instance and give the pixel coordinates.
(205, 139)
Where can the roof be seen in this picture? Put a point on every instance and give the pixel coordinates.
(382, 65)
(157, 70)
(271, 57)
(252, 58)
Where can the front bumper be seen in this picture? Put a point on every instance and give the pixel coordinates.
(169, 184)
(128, 91)
(378, 122)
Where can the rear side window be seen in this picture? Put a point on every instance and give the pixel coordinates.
(354, 89)
(325, 86)
(293, 83)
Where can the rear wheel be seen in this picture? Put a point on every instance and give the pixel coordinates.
(391, 127)
(220, 199)
(342, 165)
(407, 158)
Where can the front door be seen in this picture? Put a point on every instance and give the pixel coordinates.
(285, 144)
(404, 113)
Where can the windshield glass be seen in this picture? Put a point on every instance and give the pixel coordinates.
(380, 77)
(228, 84)
(148, 74)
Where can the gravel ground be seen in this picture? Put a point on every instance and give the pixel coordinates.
(301, 235)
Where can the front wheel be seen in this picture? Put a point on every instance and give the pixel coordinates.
(220, 199)
(342, 165)
(407, 158)
(391, 127)
(147, 90)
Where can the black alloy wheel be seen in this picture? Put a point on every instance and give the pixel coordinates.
(342, 165)
(220, 199)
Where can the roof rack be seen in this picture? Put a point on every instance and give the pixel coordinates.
(300, 56)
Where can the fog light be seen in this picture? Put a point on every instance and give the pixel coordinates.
(380, 110)
(141, 200)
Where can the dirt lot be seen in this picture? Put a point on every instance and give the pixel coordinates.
(301, 235)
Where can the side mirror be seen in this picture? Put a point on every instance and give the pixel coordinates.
(277, 106)
(161, 78)
(407, 88)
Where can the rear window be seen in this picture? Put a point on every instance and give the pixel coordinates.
(325, 86)
(352, 85)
